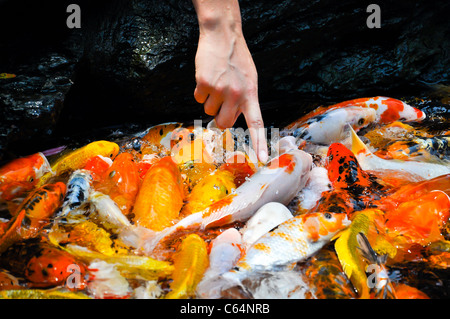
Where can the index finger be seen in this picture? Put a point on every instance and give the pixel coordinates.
(255, 125)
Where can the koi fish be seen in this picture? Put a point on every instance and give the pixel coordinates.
(33, 214)
(309, 196)
(266, 218)
(8, 281)
(353, 189)
(364, 222)
(106, 282)
(160, 198)
(51, 267)
(107, 213)
(158, 138)
(368, 161)
(78, 158)
(122, 182)
(382, 280)
(238, 164)
(21, 175)
(41, 294)
(425, 149)
(78, 189)
(419, 220)
(325, 278)
(190, 263)
(330, 127)
(403, 291)
(209, 190)
(129, 265)
(225, 252)
(387, 109)
(279, 181)
(7, 76)
(292, 241)
(194, 172)
(97, 166)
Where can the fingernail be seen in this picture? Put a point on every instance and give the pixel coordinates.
(263, 156)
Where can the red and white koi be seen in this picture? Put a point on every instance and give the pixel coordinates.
(368, 161)
(293, 241)
(387, 109)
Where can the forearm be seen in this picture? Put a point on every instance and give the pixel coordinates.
(221, 16)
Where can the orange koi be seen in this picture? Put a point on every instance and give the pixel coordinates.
(21, 175)
(98, 165)
(122, 182)
(420, 220)
(33, 214)
(51, 267)
(404, 291)
(160, 197)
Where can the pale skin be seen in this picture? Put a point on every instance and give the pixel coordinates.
(227, 81)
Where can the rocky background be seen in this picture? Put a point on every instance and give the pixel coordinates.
(131, 64)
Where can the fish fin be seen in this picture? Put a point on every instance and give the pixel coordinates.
(365, 248)
(358, 146)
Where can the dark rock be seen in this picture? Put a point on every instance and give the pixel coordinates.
(132, 61)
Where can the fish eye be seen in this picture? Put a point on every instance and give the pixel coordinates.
(327, 215)
(31, 180)
(361, 121)
(110, 155)
(111, 175)
(191, 136)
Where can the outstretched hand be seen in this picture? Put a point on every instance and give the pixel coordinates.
(227, 81)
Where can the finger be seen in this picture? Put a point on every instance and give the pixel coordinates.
(255, 125)
(213, 103)
(201, 94)
(227, 114)
(237, 115)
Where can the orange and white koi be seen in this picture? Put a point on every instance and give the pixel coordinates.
(387, 109)
(98, 165)
(330, 127)
(368, 161)
(21, 175)
(33, 214)
(292, 241)
(279, 181)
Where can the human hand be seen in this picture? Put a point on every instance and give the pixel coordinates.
(227, 81)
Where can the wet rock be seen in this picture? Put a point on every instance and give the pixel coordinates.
(132, 61)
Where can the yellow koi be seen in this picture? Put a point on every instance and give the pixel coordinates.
(348, 254)
(209, 190)
(129, 266)
(190, 263)
(41, 294)
(78, 158)
(7, 76)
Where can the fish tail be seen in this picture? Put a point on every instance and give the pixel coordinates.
(366, 249)
(358, 146)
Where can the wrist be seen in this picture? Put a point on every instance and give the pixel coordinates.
(218, 16)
